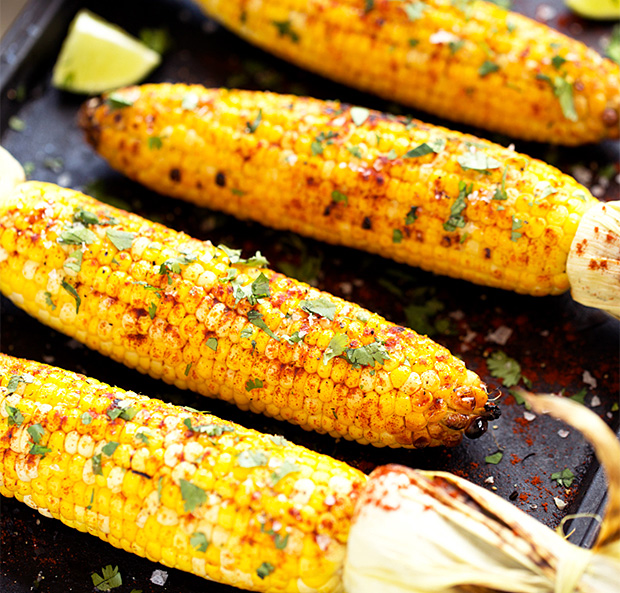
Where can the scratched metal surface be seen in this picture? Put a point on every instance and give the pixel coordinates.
(554, 339)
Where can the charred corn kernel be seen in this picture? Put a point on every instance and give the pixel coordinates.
(472, 62)
(225, 515)
(234, 340)
(462, 207)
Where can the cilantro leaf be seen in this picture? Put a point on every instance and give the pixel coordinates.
(285, 29)
(414, 10)
(265, 569)
(367, 355)
(335, 347)
(516, 225)
(252, 458)
(478, 161)
(251, 384)
(154, 143)
(193, 496)
(74, 261)
(118, 101)
(564, 478)
(500, 192)
(85, 217)
(212, 343)
(74, 293)
(505, 368)
(495, 458)
(287, 467)
(110, 578)
(76, 234)
(109, 448)
(86, 418)
(37, 449)
(256, 318)
(456, 219)
(487, 68)
(339, 197)
(15, 416)
(251, 127)
(412, 215)
(96, 461)
(15, 380)
(321, 306)
(580, 396)
(435, 145)
(120, 239)
(199, 541)
(36, 432)
(48, 300)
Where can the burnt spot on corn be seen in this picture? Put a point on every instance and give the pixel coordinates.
(327, 210)
(175, 175)
(487, 253)
(367, 223)
(87, 120)
(220, 179)
(610, 117)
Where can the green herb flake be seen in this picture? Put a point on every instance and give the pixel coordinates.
(565, 478)
(92, 499)
(256, 318)
(265, 569)
(456, 45)
(413, 42)
(510, 26)
(613, 47)
(211, 430)
(74, 261)
(368, 5)
(397, 236)
(500, 192)
(414, 10)
(15, 380)
(487, 68)
(436, 146)
(359, 115)
(564, 92)
(212, 343)
(152, 310)
(29, 168)
(495, 458)
(251, 127)
(246, 332)
(338, 196)
(154, 143)
(16, 124)
(54, 164)
(252, 458)
(287, 467)
(15, 416)
(335, 347)
(412, 215)
(367, 355)
(187, 369)
(322, 307)
(190, 101)
(279, 541)
(109, 448)
(71, 290)
(192, 495)
(237, 192)
(118, 101)
(199, 541)
(546, 189)
(557, 61)
(580, 396)
(355, 151)
(420, 317)
(109, 579)
(285, 29)
(456, 218)
(251, 384)
(86, 418)
(615, 407)
(96, 463)
(120, 239)
(391, 155)
(295, 337)
(36, 432)
(77, 234)
(478, 161)
(501, 366)
(143, 437)
(517, 223)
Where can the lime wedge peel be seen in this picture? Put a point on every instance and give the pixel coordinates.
(595, 9)
(98, 56)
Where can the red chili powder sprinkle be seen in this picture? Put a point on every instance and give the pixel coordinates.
(536, 480)
(514, 459)
(524, 496)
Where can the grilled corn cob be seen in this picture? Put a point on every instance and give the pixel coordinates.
(178, 487)
(468, 61)
(203, 318)
(447, 202)
(235, 506)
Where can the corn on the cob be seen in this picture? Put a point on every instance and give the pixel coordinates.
(467, 61)
(178, 487)
(232, 505)
(447, 202)
(202, 318)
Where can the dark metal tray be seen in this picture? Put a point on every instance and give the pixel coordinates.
(555, 340)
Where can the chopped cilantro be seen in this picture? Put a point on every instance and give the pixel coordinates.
(212, 343)
(412, 215)
(391, 155)
(173, 265)
(419, 317)
(154, 143)
(564, 478)
(322, 307)
(256, 318)
(613, 47)
(109, 579)
(580, 396)
(505, 368)
(54, 164)
(335, 347)
(414, 10)
(48, 300)
(29, 168)
(77, 234)
(434, 145)
(109, 448)
(367, 355)
(36, 432)
(234, 255)
(15, 380)
(265, 569)
(516, 225)
(500, 192)
(338, 196)
(368, 5)
(546, 190)
(279, 541)
(397, 236)
(563, 90)
(478, 161)
(116, 410)
(237, 192)
(413, 42)
(355, 151)
(246, 332)
(96, 461)
(495, 458)
(287, 467)
(15, 416)
(71, 290)
(187, 369)
(199, 541)
(143, 436)
(74, 261)
(557, 61)
(252, 458)
(456, 218)
(359, 115)
(211, 430)
(251, 127)
(456, 45)
(251, 384)
(152, 310)
(193, 496)
(16, 124)
(285, 29)
(86, 418)
(120, 239)
(118, 101)
(295, 337)
(487, 68)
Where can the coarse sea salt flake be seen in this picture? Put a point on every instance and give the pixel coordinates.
(595, 401)
(529, 416)
(159, 577)
(589, 380)
(563, 433)
(559, 503)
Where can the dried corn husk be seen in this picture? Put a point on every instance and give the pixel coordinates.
(433, 532)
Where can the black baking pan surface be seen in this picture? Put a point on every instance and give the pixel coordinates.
(560, 346)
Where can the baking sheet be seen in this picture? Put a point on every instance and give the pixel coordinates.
(559, 344)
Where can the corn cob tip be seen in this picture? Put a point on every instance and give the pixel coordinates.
(478, 426)
(11, 173)
(87, 121)
(593, 265)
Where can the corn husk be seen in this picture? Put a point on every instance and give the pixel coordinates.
(433, 532)
(593, 264)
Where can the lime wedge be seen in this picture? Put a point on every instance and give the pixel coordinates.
(596, 9)
(97, 56)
